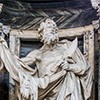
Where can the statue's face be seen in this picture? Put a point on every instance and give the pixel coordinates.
(50, 34)
(50, 23)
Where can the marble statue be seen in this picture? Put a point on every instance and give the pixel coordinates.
(61, 71)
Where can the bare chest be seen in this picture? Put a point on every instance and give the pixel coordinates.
(49, 59)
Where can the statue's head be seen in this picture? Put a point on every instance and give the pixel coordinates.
(48, 32)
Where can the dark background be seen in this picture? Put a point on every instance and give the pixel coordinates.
(28, 14)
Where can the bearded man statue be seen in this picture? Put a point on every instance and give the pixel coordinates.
(61, 71)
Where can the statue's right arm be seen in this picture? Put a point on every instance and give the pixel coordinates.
(30, 58)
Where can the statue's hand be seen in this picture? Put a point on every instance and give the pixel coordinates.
(65, 65)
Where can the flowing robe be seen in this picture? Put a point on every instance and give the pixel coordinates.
(49, 81)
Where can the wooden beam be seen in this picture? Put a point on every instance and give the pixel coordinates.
(62, 33)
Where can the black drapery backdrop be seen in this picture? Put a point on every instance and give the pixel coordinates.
(27, 14)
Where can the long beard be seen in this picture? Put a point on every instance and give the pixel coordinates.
(49, 39)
